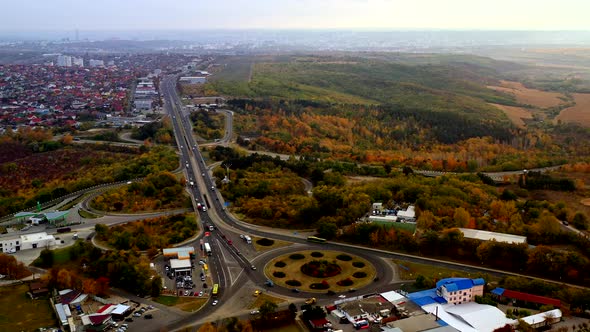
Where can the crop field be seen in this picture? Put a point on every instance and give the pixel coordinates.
(515, 114)
(580, 113)
(524, 95)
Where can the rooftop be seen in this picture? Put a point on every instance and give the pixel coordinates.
(488, 236)
(526, 297)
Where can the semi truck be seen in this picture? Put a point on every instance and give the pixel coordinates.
(207, 248)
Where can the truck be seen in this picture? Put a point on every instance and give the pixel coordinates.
(207, 248)
(248, 239)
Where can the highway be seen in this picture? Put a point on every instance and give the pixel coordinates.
(204, 191)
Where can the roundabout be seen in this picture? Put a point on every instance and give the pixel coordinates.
(320, 271)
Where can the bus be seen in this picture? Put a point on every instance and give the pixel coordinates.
(316, 239)
(215, 290)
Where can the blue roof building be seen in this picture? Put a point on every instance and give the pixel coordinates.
(450, 290)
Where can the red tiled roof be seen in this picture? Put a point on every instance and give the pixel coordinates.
(98, 319)
(531, 298)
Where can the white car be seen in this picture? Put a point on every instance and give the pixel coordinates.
(214, 302)
(2, 276)
(254, 312)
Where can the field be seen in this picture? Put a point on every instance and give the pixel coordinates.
(262, 298)
(32, 314)
(235, 69)
(580, 113)
(188, 304)
(276, 244)
(409, 271)
(524, 95)
(515, 114)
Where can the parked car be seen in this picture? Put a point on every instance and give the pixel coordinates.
(214, 302)
(148, 316)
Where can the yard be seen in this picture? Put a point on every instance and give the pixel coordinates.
(32, 314)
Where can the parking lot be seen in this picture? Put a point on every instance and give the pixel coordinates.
(196, 283)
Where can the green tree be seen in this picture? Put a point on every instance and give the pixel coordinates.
(46, 258)
(327, 230)
(268, 308)
(580, 221)
(156, 286)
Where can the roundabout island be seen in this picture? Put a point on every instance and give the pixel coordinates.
(320, 271)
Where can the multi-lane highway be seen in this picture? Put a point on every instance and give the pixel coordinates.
(203, 190)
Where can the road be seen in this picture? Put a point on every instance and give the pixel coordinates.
(205, 191)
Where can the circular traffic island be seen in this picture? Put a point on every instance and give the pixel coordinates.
(335, 271)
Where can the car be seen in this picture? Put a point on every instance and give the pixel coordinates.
(253, 267)
(215, 302)
(351, 290)
(205, 285)
(241, 236)
(565, 222)
(129, 319)
(185, 293)
(342, 296)
(125, 325)
(254, 312)
(202, 262)
(203, 174)
(201, 293)
(295, 290)
(148, 316)
(257, 292)
(137, 314)
(2, 276)
(229, 242)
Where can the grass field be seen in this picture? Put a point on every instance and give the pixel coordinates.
(515, 114)
(409, 271)
(524, 95)
(235, 69)
(292, 270)
(188, 304)
(277, 244)
(32, 314)
(580, 113)
(260, 299)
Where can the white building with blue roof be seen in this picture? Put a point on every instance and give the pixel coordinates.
(460, 290)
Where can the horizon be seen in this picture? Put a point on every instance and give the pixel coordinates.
(87, 15)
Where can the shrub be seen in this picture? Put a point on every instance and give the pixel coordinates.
(293, 282)
(345, 282)
(279, 274)
(265, 242)
(297, 256)
(280, 264)
(359, 275)
(320, 285)
(321, 269)
(358, 264)
(317, 254)
(344, 257)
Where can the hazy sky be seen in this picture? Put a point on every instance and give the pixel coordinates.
(29, 15)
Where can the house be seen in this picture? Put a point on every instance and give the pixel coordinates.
(39, 288)
(542, 319)
(460, 290)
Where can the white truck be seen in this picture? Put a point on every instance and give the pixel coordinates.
(208, 249)
(248, 239)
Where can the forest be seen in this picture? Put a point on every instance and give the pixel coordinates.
(67, 167)
(148, 234)
(266, 190)
(430, 112)
(207, 124)
(79, 265)
(157, 191)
